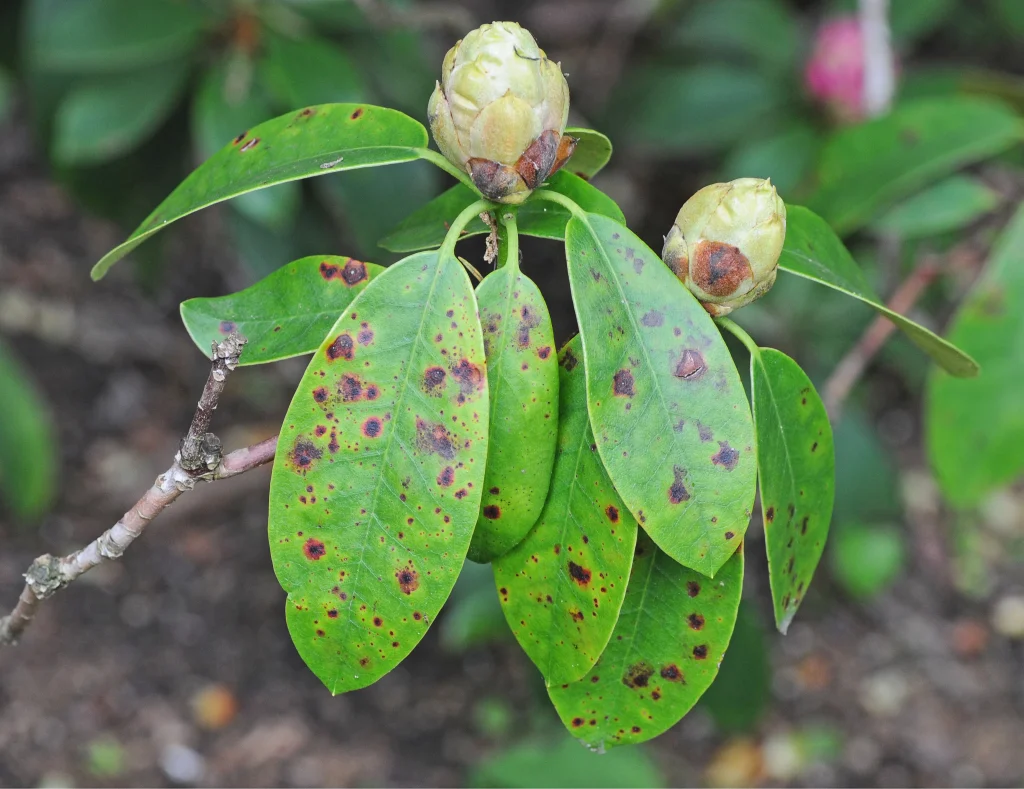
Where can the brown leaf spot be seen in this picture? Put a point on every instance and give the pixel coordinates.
(581, 575)
(569, 361)
(544, 352)
(304, 453)
(356, 115)
(690, 366)
(677, 492)
(727, 457)
(328, 270)
(434, 438)
(696, 621)
(769, 514)
(350, 388)
(341, 348)
(320, 394)
(700, 651)
(692, 588)
(612, 512)
(433, 381)
(408, 582)
(652, 318)
(623, 384)
(492, 512)
(314, 549)
(469, 377)
(373, 427)
(528, 320)
(638, 675)
(446, 477)
(250, 145)
(354, 272)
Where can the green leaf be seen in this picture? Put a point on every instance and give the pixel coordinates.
(565, 764)
(309, 72)
(6, 94)
(813, 250)
(472, 616)
(111, 35)
(369, 202)
(108, 116)
(797, 469)
(785, 158)
(285, 314)
(866, 168)
(522, 375)
(914, 19)
(666, 403)
(315, 141)
(867, 478)
(764, 32)
(740, 696)
(28, 458)
(593, 151)
(426, 227)
(947, 206)
(867, 558)
(975, 428)
(561, 588)
(377, 480)
(697, 109)
(671, 635)
(219, 114)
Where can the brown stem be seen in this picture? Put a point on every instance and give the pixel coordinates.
(851, 367)
(199, 459)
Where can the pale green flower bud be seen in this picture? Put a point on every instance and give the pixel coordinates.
(726, 241)
(499, 111)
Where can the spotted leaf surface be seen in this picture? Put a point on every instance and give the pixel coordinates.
(561, 588)
(287, 313)
(522, 376)
(326, 138)
(665, 652)
(426, 227)
(377, 480)
(666, 403)
(796, 459)
(813, 251)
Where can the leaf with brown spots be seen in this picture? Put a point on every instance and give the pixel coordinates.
(314, 141)
(796, 461)
(692, 496)
(285, 314)
(360, 522)
(562, 586)
(650, 674)
(523, 386)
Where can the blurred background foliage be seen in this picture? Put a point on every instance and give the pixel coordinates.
(125, 97)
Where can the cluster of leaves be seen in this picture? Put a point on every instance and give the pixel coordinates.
(121, 87)
(609, 483)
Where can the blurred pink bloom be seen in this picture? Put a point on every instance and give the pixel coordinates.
(835, 71)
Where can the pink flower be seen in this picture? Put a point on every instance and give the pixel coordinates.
(835, 71)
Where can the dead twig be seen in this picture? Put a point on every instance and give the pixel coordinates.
(198, 459)
(851, 367)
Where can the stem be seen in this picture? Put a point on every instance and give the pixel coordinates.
(562, 200)
(463, 219)
(739, 334)
(439, 160)
(198, 459)
(508, 219)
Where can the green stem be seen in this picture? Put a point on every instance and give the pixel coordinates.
(739, 334)
(437, 159)
(508, 219)
(463, 219)
(563, 201)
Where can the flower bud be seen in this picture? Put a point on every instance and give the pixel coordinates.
(499, 112)
(726, 241)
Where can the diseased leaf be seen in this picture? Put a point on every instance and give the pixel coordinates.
(562, 586)
(285, 314)
(669, 413)
(426, 227)
(108, 116)
(975, 428)
(377, 480)
(797, 469)
(522, 375)
(813, 250)
(868, 167)
(315, 141)
(219, 114)
(593, 151)
(28, 458)
(672, 632)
